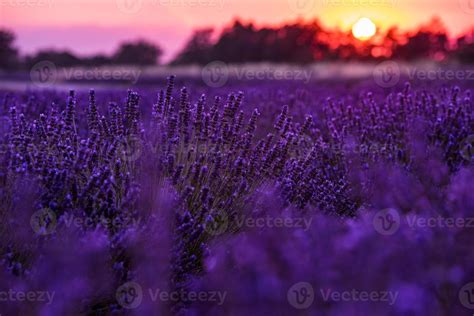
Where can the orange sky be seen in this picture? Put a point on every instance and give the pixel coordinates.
(91, 26)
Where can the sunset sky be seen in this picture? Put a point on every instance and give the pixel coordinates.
(93, 26)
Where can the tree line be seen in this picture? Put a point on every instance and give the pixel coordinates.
(139, 52)
(296, 42)
(307, 42)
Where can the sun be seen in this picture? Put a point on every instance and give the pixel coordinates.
(364, 29)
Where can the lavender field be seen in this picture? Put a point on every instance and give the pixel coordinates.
(275, 198)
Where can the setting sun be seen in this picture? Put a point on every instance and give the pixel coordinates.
(364, 29)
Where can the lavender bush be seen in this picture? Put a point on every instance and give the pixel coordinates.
(185, 203)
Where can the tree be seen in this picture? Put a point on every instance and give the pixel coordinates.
(59, 58)
(97, 60)
(244, 42)
(8, 54)
(430, 41)
(197, 49)
(465, 48)
(138, 53)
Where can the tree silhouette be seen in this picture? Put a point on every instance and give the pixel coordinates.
(431, 41)
(198, 49)
(59, 58)
(297, 43)
(8, 54)
(140, 52)
(465, 48)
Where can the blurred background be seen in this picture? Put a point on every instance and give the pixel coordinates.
(38, 37)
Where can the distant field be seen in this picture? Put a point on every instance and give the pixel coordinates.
(219, 74)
